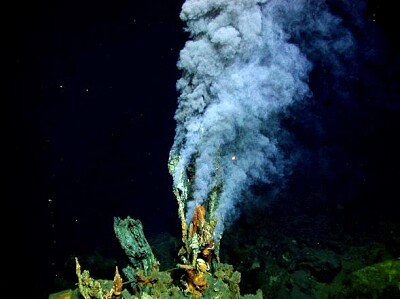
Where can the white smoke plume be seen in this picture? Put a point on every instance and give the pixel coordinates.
(240, 73)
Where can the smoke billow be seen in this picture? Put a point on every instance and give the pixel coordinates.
(241, 70)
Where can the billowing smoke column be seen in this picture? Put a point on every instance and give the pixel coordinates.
(240, 73)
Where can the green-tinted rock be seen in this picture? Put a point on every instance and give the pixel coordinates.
(132, 239)
(381, 280)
